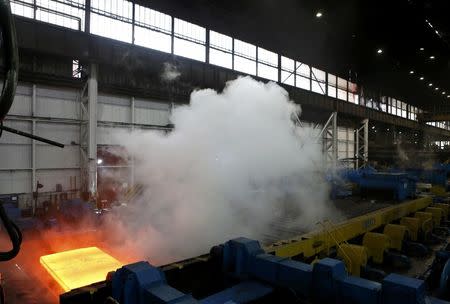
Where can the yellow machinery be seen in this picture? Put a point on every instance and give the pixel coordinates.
(397, 234)
(425, 222)
(377, 244)
(437, 215)
(445, 209)
(413, 226)
(318, 241)
(438, 190)
(354, 257)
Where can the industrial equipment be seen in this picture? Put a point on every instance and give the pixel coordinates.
(242, 271)
(400, 185)
(250, 274)
(395, 185)
(437, 175)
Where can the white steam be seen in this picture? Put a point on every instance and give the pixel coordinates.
(170, 72)
(234, 164)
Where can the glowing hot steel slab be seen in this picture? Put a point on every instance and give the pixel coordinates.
(80, 267)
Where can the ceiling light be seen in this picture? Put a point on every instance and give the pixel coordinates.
(430, 84)
(432, 57)
(436, 88)
(443, 93)
(448, 96)
(422, 78)
(319, 14)
(379, 51)
(411, 72)
(99, 161)
(422, 49)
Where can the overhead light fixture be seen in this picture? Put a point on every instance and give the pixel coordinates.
(380, 51)
(99, 161)
(443, 93)
(448, 96)
(422, 78)
(430, 84)
(422, 49)
(436, 88)
(411, 72)
(432, 57)
(319, 14)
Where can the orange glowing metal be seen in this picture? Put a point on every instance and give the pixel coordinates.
(80, 267)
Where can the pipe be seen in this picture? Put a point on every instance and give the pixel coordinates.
(8, 32)
(38, 138)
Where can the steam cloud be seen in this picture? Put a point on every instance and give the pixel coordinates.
(235, 164)
(170, 72)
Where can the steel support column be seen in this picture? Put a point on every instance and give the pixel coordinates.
(362, 144)
(88, 133)
(132, 129)
(33, 142)
(330, 140)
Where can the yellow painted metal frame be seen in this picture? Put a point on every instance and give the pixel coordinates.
(321, 240)
(413, 225)
(354, 257)
(318, 241)
(437, 213)
(445, 208)
(426, 222)
(377, 244)
(397, 234)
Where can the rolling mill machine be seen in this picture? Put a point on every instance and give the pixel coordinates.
(342, 263)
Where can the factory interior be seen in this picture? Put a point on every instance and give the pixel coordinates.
(192, 151)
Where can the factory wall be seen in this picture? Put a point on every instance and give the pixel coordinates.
(54, 113)
(346, 143)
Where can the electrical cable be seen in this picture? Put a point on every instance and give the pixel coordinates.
(8, 42)
(14, 234)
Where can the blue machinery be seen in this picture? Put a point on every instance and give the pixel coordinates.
(258, 274)
(400, 185)
(438, 175)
